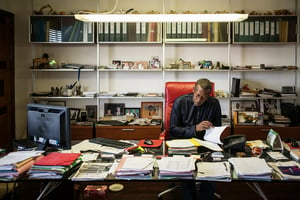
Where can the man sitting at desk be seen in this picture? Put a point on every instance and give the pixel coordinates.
(191, 115)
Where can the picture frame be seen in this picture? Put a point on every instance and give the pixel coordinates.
(152, 110)
(247, 117)
(114, 109)
(91, 111)
(271, 106)
(74, 114)
(246, 105)
(133, 112)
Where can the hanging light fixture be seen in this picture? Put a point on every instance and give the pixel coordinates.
(111, 17)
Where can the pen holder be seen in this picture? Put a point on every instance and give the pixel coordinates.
(69, 92)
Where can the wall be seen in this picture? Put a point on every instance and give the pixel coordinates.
(83, 54)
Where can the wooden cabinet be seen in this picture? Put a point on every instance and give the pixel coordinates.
(82, 132)
(261, 132)
(128, 132)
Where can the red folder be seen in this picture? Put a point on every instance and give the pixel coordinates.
(56, 158)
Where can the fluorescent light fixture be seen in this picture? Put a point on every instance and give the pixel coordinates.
(223, 17)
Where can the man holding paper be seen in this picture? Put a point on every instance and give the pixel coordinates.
(191, 115)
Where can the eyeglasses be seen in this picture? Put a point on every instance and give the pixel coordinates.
(201, 97)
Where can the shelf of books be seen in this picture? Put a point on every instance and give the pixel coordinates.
(196, 32)
(266, 29)
(60, 29)
(140, 32)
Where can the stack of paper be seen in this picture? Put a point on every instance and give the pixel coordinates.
(176, 166)
(181, 147)
(289, 170)
(92, 171)
(55, 165)
(16, 163)
(213, 171)
(135, 167)
(251, 168)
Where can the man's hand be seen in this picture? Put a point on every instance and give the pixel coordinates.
(203, 125)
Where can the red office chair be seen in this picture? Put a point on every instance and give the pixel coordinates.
(172, 91)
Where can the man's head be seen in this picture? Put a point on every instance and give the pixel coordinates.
(202, 90)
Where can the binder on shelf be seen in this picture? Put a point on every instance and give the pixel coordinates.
(106, 31)
(189, 29)
(241, 32)
(251, 31)
(179, 30)
(246, 32)
(138, 31)
(292, 30)
(101, 32)
(194, 29)
(66, 32)
(152, 34)
(85, 32)
(183, 30)
(267, 30)
(168, 30)
(118, 31)
(236, 31)
(174, 30)
(201, 28)
(90, 32)
(143, 31)
(272, 30)
(262, 30)
(215, 31)
(112, 36)
(131, 31)
(256, 30)
(277, 30)
(124, 31)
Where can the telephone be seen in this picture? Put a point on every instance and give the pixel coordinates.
(234, 143)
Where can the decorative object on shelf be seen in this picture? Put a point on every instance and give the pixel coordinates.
(152, 110)
(91, 112)
(74, 114)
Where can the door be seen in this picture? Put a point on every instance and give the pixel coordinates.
(7, 100)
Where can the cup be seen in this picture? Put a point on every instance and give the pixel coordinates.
(69, 92)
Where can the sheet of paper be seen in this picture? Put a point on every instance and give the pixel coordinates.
(214, 134)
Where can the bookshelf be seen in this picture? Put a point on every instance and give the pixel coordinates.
(60, 29)
(114, 45)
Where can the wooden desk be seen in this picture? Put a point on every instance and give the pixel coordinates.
(128, 132)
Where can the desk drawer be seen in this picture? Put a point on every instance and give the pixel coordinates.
(81, 132)
(261, 132)
(128, 132)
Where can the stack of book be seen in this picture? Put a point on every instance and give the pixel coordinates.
(176, 166)
(181, 147)
(135, 167)
(15, 164)
(55, 165)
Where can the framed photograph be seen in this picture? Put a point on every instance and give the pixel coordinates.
(272, 107)
(249, 105)
(152, 110)
(114, 109)
(91, 111)
(57, 103)
(127, 64)
(74, 113)
(133, 112)
(247, 117)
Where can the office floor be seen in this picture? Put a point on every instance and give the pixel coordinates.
(149, 191)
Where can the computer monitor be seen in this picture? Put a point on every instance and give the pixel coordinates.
(49, 126)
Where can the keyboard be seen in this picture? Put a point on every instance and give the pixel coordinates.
(111, 142)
